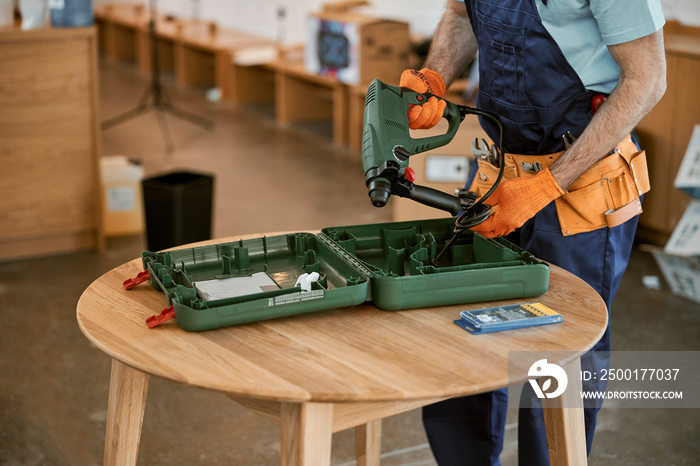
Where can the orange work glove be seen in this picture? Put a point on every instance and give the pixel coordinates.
(424, 81)
(517, 201)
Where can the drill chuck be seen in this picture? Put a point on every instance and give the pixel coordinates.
(379, 191)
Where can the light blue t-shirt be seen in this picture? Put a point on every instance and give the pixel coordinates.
(584, 28)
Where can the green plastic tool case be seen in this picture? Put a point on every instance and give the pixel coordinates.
(387, 263)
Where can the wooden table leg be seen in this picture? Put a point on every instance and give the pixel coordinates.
(143, 47)
(179, 63)
(127, 400)
(355, 126)
(340, 114)
(307, 430)
(368, 443)
(564, 423)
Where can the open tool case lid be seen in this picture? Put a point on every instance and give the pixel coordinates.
(388, 263)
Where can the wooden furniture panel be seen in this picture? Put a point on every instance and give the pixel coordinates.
(121, 23)
(204, 52)
(665, 133)
(50, 147)
(166, 52)
(244, 84)
(101, 27)
(303, 97)
(299, 100)
(194, 66)
(121, 42)
(192, 48)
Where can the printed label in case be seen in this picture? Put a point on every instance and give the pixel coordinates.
(298, 297)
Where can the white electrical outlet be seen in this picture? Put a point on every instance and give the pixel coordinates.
(445, 168)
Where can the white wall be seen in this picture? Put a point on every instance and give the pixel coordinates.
(685, 11)
(261, 16)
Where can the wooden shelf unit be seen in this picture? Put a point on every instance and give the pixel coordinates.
(195, 50)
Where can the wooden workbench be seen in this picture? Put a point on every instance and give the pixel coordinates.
(119, 25)
(301, 96)
(197, 51)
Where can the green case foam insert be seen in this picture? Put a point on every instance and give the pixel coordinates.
(475, 269)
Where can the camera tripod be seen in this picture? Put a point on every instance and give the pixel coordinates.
(155, 96)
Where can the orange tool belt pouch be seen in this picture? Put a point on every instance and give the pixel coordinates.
(606, 195)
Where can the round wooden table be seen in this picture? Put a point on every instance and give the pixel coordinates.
(319, 373)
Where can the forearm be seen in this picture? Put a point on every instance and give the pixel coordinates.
(641, 85)
(453, 45)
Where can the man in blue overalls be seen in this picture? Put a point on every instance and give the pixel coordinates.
(541, 63)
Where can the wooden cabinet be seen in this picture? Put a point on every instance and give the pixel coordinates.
(666, 131)
(49, 142)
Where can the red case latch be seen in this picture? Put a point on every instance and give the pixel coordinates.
(165, 315)
(140, 278)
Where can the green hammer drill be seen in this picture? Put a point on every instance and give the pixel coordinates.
(387, 146)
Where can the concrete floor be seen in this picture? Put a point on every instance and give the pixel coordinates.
(54, 383)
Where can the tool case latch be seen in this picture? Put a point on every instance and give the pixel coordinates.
(165, 315)
(140, 278)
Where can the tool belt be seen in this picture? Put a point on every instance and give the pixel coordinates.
(606, 195)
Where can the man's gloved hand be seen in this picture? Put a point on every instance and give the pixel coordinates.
(428, 114)
(518, 200)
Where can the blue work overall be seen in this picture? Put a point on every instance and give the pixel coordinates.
(525, 79)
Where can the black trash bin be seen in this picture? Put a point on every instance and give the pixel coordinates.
(178, 208)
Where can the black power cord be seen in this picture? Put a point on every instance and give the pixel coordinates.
(475, 210)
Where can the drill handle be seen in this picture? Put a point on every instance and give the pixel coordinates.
(454, 117)
(427, 196)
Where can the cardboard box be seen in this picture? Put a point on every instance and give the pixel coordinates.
(679, 261)
(685, 239)
(356, 48)
(682, 273)
(688, 177)
(122, 196)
